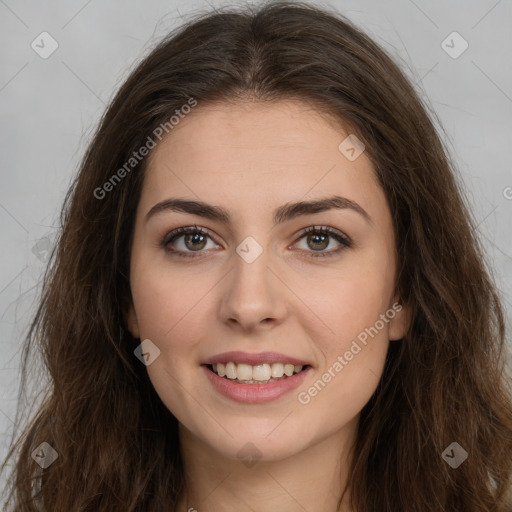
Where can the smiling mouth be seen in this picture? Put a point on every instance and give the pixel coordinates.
(257, 374)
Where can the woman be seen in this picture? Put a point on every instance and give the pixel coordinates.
(268, 292)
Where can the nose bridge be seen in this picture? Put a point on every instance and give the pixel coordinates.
(253, 293)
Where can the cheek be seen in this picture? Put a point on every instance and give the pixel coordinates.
(357, 295)
(353, 357)
(165, 296)
(170, 313)
(348, 378)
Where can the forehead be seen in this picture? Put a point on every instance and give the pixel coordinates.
(257, 154)
(283, 129)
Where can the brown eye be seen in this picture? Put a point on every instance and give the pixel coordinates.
(186, 240)
(319, 238)
(319, 241)
(195, 242)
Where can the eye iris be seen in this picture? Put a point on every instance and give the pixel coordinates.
(195, 237)
(316, 236)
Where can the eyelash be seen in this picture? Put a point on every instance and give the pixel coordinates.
(324, 230)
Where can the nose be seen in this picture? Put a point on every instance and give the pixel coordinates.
(254, 297)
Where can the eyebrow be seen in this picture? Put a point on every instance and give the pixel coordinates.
(282, 214)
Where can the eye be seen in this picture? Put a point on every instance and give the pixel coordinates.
(194, 240)
(319, 238)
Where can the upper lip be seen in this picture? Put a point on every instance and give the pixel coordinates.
(254, 358)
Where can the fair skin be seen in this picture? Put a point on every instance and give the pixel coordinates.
(251, 158)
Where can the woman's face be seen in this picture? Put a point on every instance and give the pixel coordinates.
(252, 282)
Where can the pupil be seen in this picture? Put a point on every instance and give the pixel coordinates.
(196, 237)
(317, 236)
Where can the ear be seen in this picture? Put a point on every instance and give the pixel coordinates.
(131, 322)
(400, 323)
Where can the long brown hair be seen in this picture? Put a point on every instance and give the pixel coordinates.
(444, 382)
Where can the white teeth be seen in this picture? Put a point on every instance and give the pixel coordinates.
(261, 372)
(231, 370)
(277, 370)
(244, 371)
(288, 369)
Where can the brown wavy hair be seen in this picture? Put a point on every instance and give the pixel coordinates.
(444, 381)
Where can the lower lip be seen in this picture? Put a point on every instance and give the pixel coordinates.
(255, 393)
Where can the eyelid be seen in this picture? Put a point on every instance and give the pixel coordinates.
(327, 230)
(185, 230)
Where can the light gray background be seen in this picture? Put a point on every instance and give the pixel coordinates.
(50, 106)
